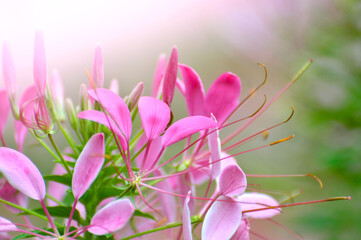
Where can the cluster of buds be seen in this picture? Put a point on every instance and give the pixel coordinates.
(114, 180)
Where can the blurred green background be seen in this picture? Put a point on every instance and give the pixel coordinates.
(218, 36)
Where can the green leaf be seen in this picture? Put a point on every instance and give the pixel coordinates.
(139, 213)
(105, 237)
(63, 179)
(58, 211)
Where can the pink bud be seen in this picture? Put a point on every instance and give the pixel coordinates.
(170, 77)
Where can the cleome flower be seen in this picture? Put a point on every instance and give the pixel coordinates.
(130, 169)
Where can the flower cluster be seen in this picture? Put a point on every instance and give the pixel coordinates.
(114, 180)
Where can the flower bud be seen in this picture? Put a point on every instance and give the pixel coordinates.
(84, 98)
(132, 99)
(70, 112)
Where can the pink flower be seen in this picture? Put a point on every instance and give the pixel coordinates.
(220, 100)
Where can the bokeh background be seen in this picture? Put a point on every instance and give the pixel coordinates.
(228, 35)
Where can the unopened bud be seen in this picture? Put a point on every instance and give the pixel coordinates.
(84, 97)
(70, 112)
(135, 95)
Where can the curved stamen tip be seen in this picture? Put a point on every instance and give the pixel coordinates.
(265, 73)
(282, 140)
(316, 178)
(311, 60)
(348, 197)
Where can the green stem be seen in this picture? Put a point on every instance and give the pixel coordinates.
(67, 137)
(134, 141)
(171, 225)
(26, 210)
(125, 191)
(65, 165)
(55, 200)
(45, 146)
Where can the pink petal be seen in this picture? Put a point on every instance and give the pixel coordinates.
(242, 232)
(4, 110)
(222, 219)
(39, 64)
(186, 127)
(170, 77)
(6, 225)
(98, 67)
(256, 201)
(155, 116)
(222, 97)
(152, 156)
(101, 118)
(232, 181)
(112, 217)
(88, 165)
(8, 71)
(215, 148)
(116, 108)
(194, 91)
(20, 129)
(159, 74)
(186, 219)
(21, 173)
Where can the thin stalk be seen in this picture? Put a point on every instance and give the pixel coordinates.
(55, 200)
(168, 226)
(45, 146)
(65, 165)
(23, 209)
(68, 137)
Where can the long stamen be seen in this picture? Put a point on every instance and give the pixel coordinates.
(300, 203)
(298, 75)
(250, 95)
(205, 165)
(145, 201)
(258, 133)
(35, 228)
(288, 175)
